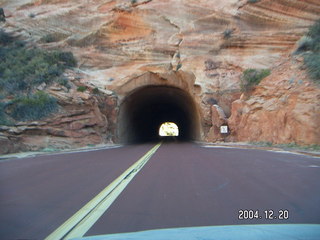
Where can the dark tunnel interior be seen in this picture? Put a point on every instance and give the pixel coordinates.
(143, 111)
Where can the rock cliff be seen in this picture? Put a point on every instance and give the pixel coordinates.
(116, 41)
(285, 107)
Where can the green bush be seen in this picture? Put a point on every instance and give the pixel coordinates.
(310, 42)
(312, 61)
(252, 77)
(178, 66)
(253, 1)
(53, 37)
(309, 45)
(292, 145)
(32, 107)
(81, 88)
(64, 82)
(5, 38)
(314, 30)
(262, 144)
(95, 91)
(3, 116)
(66, 58)
(227, 33)
(304, 44)
(2, 16)
(23, 69)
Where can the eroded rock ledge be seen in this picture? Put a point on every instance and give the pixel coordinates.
(83, 119)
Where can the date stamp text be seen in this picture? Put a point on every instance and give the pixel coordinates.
(268, 214)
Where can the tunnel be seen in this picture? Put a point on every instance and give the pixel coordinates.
(144, 110)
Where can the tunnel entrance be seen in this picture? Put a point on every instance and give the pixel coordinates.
(144, 111)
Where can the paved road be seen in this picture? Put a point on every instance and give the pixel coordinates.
(182, 185)
(38, 194)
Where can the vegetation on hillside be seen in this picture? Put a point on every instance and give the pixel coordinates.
(81, 88)
(5, 38)
(22, 71)
(3, 117)
(2, 16)
(227, 33)
(309, 46)
(53, 37)
(32, 107)
(252, 77)
(293, 145)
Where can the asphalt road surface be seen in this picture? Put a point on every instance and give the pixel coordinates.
(182, 185)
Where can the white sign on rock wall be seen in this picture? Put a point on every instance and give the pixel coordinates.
(224, 129)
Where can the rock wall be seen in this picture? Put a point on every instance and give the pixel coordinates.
(117, 42)
(83, 119)
(284, 108)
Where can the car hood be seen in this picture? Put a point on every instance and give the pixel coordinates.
(239, 232)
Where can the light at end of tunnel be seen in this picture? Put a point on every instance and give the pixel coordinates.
(169, 129)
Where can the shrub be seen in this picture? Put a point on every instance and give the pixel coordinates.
(5, 38)
(95, 91)
(312, 61)
(64, 82)
(66, 58)
(212, 101)
(32, 107)
(304, 44)
(81, 88)
(22, 69)
(32, 15)
(179, 66)
(227, 33)
(2, 16)
(311, 42)
(253, 1)
(3, 116)
(53, 37)
(252, 77)
(312, 58)
(314, 30)
(262, 144)
(48, 38)
(19, 43)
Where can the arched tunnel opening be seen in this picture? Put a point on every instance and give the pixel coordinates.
(144, 111)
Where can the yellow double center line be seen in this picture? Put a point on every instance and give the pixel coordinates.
(83, 220)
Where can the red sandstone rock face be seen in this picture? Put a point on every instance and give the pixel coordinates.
(122, 46)
(284, 108)
(218, 119)
(76, 125)
(83, 119)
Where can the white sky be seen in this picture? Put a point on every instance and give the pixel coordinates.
(168, 129)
